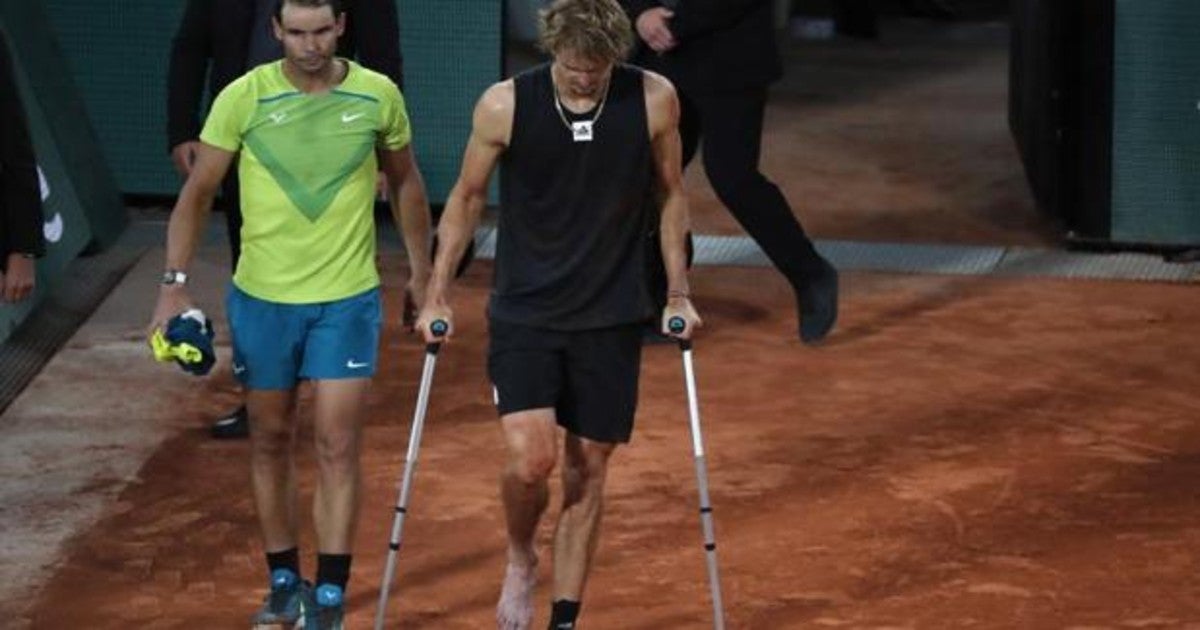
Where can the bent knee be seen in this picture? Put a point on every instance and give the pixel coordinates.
(532, 466)
(532, 439)
(590, 462)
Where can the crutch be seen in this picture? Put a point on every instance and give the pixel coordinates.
(438, 328)
(677, 325)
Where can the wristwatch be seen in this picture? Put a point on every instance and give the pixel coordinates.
(172, 277)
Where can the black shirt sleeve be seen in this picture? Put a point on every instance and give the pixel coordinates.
(191, 50)
(694, 18)
(375, 26)
(20, 199)
(634, 8)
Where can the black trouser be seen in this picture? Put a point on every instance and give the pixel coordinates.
(231, 204)
(731, 127)
(856, 18)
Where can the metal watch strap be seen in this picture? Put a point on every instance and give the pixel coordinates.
(174, 277)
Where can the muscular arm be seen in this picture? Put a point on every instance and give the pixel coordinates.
(662, 109)
(410, 211)
(188, 218)
(490, 133)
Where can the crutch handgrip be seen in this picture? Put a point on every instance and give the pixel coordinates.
(439, 328)
(676, 325)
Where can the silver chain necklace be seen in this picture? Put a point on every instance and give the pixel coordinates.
(582, 130)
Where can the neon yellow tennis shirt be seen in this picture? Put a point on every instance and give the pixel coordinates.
(308, 173)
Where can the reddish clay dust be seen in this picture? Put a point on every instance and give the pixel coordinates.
(963, 452)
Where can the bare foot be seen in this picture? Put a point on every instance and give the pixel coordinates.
(514, 611)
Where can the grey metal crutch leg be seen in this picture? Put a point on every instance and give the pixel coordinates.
(439, 328)
(677, 325)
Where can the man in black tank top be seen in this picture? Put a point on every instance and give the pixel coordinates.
(587, 144)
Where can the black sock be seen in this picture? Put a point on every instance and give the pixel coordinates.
(333, 568)
(563, 614)
(286, 559)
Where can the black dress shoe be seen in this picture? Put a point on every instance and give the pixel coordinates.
(818, 304)
(233, 426)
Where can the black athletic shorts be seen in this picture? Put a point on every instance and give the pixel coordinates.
(589, 377)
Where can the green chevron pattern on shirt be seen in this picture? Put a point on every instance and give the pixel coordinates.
(307, 169)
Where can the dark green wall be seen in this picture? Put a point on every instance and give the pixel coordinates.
(118, 53)
(81, 206)
(1156, 122)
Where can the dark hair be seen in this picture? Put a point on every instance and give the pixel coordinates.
(335, 5)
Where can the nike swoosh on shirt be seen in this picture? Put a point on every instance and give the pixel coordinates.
(354, 365)
(347, 117)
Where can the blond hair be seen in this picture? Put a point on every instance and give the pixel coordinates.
(596, 29)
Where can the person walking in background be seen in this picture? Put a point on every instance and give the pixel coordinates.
(21, 240)
(585, 141)
(309, 135)
(722, 56)
(221, 40)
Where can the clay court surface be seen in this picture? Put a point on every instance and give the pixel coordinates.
(963, 452)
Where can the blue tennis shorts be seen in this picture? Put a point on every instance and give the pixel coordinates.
(276, 345)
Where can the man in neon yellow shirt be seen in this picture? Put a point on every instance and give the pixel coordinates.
(309, 133)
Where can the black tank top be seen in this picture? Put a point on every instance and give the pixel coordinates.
(574, 215)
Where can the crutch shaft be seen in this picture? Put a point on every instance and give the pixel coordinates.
(706, 517)
(410, 465)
